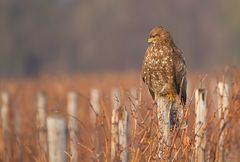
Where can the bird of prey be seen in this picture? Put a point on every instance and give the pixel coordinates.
(164, 69)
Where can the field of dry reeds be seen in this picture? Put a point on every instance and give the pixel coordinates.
(19, 136)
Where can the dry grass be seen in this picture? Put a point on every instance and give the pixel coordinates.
(21, 142)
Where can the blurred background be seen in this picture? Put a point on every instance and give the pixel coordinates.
(93, 36)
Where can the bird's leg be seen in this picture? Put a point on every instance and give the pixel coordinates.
(173, 110)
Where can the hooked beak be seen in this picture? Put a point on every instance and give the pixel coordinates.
(150, 40)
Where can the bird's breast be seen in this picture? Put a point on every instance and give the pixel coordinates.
(159, 58)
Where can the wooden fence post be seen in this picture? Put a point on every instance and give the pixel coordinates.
(164, 108)
(114, 130)
(119, 129)
(223, 109)
(123, 134)
(6, 126)
(72, 124)
(5, 113)
(41, 123)
(94, 101)
(94, 114)
(135, 105)
(56, 138)
(200, 127)
(17, 148)
(17, 122)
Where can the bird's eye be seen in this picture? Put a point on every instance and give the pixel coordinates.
(154, 35)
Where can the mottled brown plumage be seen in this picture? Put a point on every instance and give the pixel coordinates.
(164, 68)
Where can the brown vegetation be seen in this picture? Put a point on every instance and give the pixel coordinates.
(21, 142)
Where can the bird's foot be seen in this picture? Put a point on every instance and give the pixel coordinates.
(171, 97)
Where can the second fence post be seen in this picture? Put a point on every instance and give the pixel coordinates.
(5, 113)
(119, 132)
(114, 130)
(223, 109)
(94, 101)
(123, 134)
(41, 123)
(56, 138)
(200, 127)
(72, 124)
(5, 119)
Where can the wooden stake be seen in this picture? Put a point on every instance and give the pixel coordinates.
(94, 118)
(164, 107)
(123, 134)
(56, 138)
(5, 113)
(119, 149)
(94, 101)
(17, 131)
(114, 131)
(5, 119)
(223, 109)
(200, 130)
(41, 123)
(72, 124)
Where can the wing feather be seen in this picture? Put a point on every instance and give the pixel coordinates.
(180, 74)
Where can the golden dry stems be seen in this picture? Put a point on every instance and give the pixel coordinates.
(145, 135)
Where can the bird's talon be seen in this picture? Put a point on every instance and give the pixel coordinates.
(171, 97)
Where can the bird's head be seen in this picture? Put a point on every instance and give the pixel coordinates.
(159, 35)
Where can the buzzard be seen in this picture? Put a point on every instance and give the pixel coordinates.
(164, 69)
